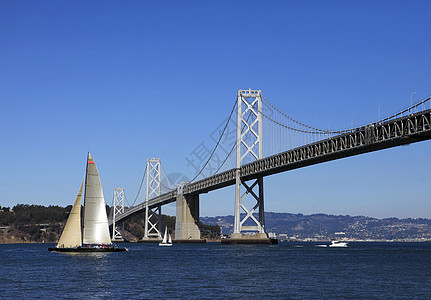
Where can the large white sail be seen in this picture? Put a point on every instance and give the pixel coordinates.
(165, 237)
(71, 236)
(96, 230)
(165, 241)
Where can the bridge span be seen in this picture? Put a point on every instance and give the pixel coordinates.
(402, 130)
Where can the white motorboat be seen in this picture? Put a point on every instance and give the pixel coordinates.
(338, 244)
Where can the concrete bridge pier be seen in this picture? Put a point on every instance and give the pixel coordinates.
(187, 218)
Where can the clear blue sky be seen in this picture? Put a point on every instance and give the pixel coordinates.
(136, 79)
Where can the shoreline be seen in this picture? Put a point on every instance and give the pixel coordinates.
(282, 241)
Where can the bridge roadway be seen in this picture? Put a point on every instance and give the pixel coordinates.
(376, 136)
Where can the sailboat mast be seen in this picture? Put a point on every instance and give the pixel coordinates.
(85, 197)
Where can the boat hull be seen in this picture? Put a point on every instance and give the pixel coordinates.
(87, 250)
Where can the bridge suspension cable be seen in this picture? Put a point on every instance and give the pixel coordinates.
(224, 161)
(217, 144)
(170, 182)
(407, 110)
(287, 133)
(311, 128)
(315, 130)
(219, 141)
(140, 187)
(125, 198)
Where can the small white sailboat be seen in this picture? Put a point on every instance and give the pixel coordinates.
(94, 235)
(167, 241)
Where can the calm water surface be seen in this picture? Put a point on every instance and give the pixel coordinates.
(284, 271)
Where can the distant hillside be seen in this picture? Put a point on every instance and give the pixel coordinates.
(322, 226)
(32, 223)
(35, 223)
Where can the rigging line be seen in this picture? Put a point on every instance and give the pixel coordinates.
(218, 142)
(314, 128)
(140, 187)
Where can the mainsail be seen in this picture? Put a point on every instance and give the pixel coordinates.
(71, 236)
(96, 230)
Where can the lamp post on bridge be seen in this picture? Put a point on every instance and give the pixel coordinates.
(379, 111)
(411, 102)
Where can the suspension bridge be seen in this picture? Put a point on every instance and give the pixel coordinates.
(288, 144)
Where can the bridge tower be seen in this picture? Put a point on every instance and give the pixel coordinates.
(249, 148)
(153, 220)
(118, 206)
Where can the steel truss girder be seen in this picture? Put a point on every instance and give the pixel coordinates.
(118, 207)
(153, 219)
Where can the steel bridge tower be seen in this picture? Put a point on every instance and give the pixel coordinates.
(249, 148)
(118, 206)
(153, 220)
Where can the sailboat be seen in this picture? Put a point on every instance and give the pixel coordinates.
(166, 241)
(93, 236)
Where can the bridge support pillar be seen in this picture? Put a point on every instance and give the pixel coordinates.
(118, 207)
(153, 218)
(249, 229)
(249, 147)
(187, 218)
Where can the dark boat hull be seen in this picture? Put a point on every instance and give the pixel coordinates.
(88, 250)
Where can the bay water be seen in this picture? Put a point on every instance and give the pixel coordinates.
(292, 270)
